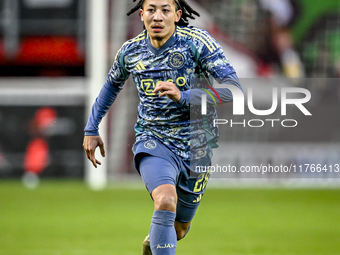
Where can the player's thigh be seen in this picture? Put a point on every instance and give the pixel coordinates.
(156, 171)
(190, 190)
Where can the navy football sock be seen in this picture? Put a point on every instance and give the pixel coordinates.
(163, 236)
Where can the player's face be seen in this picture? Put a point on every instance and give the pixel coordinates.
(159, 17)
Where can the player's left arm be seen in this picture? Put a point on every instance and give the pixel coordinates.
(219, 67)
(168, 89)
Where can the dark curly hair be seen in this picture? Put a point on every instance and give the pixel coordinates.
(187, 11)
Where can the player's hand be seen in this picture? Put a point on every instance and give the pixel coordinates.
(168, 89)
(90, 144)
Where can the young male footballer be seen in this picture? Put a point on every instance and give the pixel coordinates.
(163, 61)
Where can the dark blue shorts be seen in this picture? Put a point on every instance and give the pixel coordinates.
(158, 165)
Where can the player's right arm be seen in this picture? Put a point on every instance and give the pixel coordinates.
(90, 144)
(112, 86)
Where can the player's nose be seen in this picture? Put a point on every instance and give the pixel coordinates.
(158, 16)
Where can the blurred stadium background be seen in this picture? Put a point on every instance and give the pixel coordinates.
(54, 58)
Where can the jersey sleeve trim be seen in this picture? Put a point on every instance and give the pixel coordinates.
(124, 48)
(139, 37)
(199, 34)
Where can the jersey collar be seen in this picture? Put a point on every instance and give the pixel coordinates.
(160, 50)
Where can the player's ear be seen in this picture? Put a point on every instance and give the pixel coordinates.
(141, 14)
(178, 15)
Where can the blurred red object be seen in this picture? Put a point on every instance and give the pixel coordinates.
(37, 151)
(45, 117)
(45, 50)
(36, 157)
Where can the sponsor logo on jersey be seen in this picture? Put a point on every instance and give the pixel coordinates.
(176, 60)
(148, 85)
(150, 144)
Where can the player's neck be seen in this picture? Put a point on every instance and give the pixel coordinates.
(158, 42)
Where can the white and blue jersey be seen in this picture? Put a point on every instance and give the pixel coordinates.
(189, 52)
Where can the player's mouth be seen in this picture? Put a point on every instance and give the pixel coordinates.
(157, 28)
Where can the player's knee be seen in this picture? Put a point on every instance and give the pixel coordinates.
(165, 202)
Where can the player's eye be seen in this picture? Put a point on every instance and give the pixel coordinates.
(150, 10)
(166, 10)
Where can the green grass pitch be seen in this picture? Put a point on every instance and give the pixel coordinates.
(66, 218)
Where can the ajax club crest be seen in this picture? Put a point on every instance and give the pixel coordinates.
(176, 60)
(150, 144)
